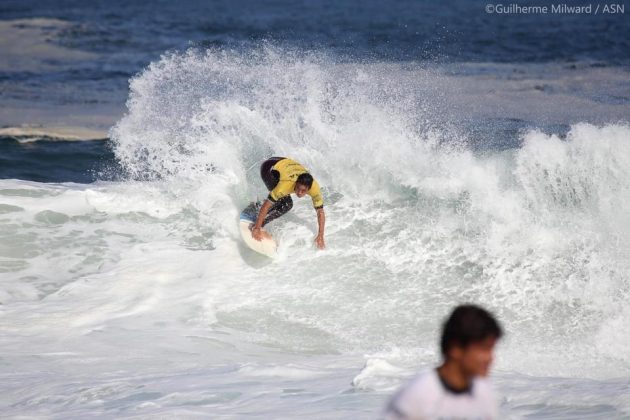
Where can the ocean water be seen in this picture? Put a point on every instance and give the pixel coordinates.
(457, 166)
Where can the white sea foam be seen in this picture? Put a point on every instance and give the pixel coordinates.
(137, 298)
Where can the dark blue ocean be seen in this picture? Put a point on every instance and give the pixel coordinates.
(132, 34)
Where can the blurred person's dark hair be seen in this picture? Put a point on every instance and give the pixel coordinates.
(468, 324)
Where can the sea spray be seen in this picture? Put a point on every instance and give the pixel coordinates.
(144, 284)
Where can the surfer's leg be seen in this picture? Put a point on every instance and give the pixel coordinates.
(269, 176)
(279, 208)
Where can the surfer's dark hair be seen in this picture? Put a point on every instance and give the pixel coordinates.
(305, 179)
(468, 324)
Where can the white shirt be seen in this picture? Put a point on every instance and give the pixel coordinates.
(426, 398)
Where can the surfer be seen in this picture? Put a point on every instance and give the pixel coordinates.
(458, 388)
(283, 177)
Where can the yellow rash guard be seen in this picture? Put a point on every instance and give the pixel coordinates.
(289, 170)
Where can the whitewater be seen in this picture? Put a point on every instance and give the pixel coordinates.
(134, 297)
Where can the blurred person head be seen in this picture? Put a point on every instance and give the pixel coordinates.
(468, 339)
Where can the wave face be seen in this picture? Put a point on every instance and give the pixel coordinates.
(417, 222)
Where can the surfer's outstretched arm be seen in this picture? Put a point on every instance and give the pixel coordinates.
(256, 232)
(321, 222)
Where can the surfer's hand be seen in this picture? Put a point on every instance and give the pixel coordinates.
(319, 240)
(257, 234)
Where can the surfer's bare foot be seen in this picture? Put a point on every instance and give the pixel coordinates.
(257, 234)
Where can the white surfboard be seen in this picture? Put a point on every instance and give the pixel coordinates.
(267, 245)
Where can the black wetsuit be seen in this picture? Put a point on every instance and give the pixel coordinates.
(271, 178)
